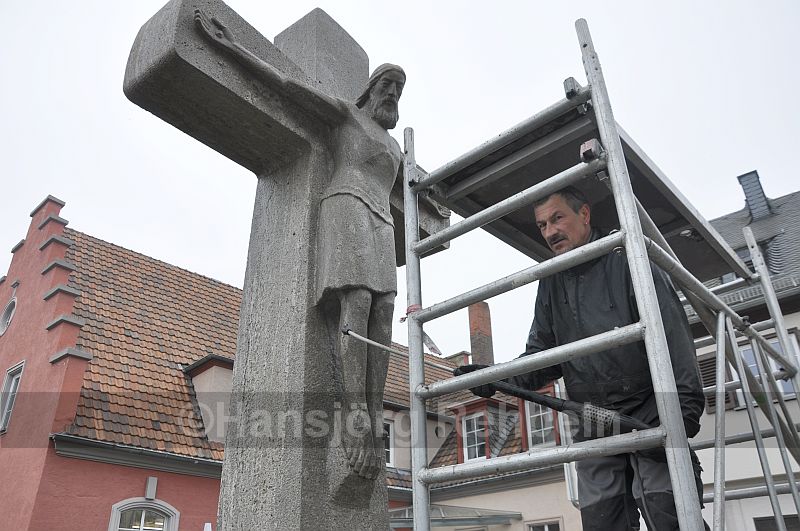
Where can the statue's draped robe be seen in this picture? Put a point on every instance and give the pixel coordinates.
(356, 230)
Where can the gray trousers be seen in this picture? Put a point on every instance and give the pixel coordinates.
(613, 490)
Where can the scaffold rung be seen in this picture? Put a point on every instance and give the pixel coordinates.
(556, 455)
(515, 202)
(546, 358)
(526, 276)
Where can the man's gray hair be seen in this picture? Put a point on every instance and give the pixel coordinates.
(573, 196)
(373, 80)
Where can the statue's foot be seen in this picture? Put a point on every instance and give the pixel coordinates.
(361, 455)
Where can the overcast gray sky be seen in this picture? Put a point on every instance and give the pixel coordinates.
(703, 87)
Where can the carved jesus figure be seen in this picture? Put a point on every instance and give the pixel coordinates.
(356, 278)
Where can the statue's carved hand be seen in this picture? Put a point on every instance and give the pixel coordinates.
(214, 30)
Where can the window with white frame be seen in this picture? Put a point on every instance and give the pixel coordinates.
(388, 441)
(142, 519)
(541, 428)
(141, 514)
(7, 315)
(9, 396)
(748, 354)
(545, 526)
(473, 431)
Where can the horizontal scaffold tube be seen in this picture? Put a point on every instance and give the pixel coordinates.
(708, 340)
(780, 374)
(751, 492)
(506, 137)
(682, 275)
(737, 438)
(515, 202)
(546, 358)
(562, 262)
(539, 457)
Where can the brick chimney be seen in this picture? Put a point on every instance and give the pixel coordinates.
(754, 195)
(480, 333)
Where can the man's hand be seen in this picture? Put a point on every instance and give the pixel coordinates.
(485, 390)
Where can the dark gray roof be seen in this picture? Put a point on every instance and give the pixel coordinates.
(778, 235)
(783, 224)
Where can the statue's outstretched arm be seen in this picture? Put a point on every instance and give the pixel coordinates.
(219, 34)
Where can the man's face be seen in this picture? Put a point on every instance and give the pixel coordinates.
(562, 228)
(383, 99)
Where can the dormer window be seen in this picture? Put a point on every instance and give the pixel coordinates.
(473, 431)
(541, 425)
(212, 378)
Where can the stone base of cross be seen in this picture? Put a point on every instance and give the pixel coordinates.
(280, 469)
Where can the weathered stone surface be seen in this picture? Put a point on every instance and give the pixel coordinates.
(327, 54)
(176, 74)
(273, 477)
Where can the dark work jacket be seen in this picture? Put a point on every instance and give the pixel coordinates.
(595, 297)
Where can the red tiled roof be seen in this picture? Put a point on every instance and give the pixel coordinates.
(145, 321)
(448, 451)
(398, 478)
(397, 391)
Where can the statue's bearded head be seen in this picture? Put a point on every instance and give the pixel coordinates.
(382, 94)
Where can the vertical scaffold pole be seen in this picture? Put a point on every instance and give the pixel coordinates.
(759, 440)
(416, 376)
(718, 523)
(669, 410)
(773, 392)
(772, 304)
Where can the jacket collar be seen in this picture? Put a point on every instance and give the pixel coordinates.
(581, 268)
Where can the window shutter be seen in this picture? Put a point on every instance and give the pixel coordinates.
(708, 374)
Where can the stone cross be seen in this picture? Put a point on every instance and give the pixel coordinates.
(278, 471)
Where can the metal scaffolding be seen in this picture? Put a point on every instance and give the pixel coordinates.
(643, 243)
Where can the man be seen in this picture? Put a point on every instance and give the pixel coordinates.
(588, 299)
(356, 273)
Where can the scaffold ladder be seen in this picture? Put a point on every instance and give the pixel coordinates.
(642, 242)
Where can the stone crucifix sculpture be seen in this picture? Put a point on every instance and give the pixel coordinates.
(321, 255)
(356, 277)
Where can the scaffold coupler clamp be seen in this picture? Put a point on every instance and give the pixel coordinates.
(591, 150)
(411, 309)
(618, 249)
(745, 324)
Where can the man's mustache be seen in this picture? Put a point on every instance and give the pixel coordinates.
(555, 238)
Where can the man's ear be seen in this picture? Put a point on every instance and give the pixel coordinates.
(585, 214)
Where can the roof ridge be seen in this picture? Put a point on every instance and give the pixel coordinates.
(773, 201)
(153, 259)
(435, 361)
